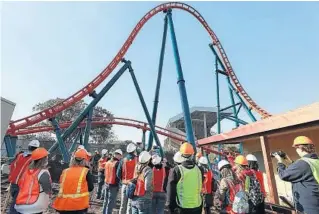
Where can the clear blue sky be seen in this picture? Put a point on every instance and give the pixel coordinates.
(52, 49)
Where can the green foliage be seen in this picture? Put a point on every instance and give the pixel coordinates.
(98, 134)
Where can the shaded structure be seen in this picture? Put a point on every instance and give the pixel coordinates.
(273, 134)
(203, 119)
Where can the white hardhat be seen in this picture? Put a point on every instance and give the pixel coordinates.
(118, 151)
(156, 160)
(144, 157)
(34, 143)
(131, 148)
(81, 147)
(203, 160)
(104, 151)
(222, 163)
(5, 169)
(251, 157)
(178, 157)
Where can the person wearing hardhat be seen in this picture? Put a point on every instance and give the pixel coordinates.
(247, 176)
(101, 177)
(185, 184)
(95, 160)
(198, 156)
(253, 165)
(208, 184)
(303, 175)
(160, 175)
(35, 185)
(111, 182)
(76, 183)
(224, 196)
(17, 168)
(178, 158)
(142, 201)
(125, 173)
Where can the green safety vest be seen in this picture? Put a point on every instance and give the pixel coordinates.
(189, 188)
(314, 165)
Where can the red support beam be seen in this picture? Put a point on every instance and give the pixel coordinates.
(273, 194)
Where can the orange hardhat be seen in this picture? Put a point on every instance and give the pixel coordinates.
(302, 140)
(241, 160)
(186, 149)
(39, 153)
(199, 154)
(81, 154)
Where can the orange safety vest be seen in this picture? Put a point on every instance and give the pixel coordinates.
(207, 184)
(140, 186)
(260, 178)
(18, 167)
(128, 169)
(73, 194)
(110, 172)
(29, 187)
(102, 163)
(158, 179)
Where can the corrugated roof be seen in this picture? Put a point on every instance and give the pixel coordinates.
(303, 115)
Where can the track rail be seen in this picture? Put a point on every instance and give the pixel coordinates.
(102, 121)
(89, 88)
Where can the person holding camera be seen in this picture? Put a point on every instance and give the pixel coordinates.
(303, 174)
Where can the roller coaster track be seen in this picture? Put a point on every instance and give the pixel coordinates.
(89, 88)
(102, 121)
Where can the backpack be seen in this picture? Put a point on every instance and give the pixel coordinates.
(238, 198)
(252, 187)
(131, 189)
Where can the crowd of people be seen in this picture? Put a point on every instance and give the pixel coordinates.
(147, 184)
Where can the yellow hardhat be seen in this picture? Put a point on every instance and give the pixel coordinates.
(302, 140)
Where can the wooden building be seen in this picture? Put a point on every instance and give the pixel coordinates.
(270, 135)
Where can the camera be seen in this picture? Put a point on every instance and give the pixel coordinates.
(280, 153)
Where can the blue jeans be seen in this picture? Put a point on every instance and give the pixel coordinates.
(125, 207)
(100, 189)
(141, 206)
(158, 202)
(109, 198)
(14, 191)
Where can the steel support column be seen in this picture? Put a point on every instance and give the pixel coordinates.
(60, 142)
(88, 129)
(143, 139)
(158, 83)
(75, 142)
(147, 114)
(10, 144)
(181, 84)
(93, 103)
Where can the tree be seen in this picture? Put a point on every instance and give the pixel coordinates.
(98, 134)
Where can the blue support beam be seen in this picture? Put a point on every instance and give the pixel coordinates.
(93, 103)
(181, 84)
(143, 139)
(236, 120)
(62, 146)
(147, 114)
(75, 142)
(10, 143)
(88, 129)
(232, 89)
(158, 83)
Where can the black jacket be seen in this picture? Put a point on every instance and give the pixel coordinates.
(304, 186)
(173, 178)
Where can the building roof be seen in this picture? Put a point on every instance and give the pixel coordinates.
(307, 115)
(201, 110)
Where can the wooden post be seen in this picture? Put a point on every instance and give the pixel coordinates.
(273, 194)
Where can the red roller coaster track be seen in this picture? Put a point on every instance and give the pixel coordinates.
(51, 112)
(100, 121)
